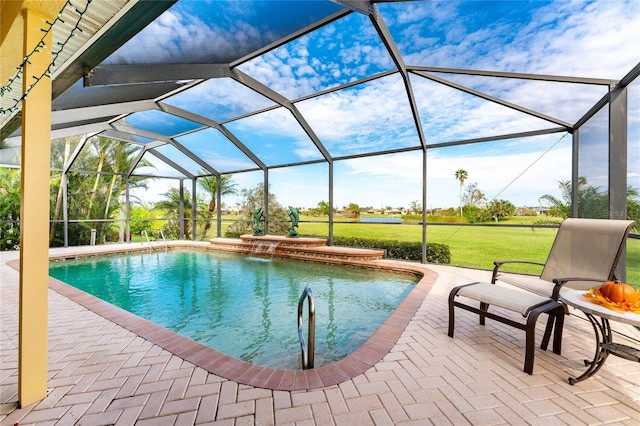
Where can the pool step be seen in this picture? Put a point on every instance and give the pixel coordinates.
(314, 249)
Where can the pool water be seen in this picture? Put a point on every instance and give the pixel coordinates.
(244, 307)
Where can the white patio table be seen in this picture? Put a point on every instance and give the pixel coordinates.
(599, 316)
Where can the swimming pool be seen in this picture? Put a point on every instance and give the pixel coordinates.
(243, 307)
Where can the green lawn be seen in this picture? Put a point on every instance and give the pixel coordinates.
(471, 246)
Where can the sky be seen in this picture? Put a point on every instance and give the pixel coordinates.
(596, 39)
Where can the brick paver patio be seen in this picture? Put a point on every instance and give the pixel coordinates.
(101, 374)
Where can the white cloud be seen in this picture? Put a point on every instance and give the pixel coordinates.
(335, 54)
(211, 99)
(561, 40)
(503, 173)
(590, 39)
(375, 115)
(178, 35)
(594, 39)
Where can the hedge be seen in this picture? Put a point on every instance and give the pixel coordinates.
(436, 253)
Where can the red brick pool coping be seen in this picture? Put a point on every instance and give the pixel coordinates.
(354, 364)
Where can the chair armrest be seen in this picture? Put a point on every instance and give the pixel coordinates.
(498, 264)
(560, 282)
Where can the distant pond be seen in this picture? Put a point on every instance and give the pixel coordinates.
(380, 220)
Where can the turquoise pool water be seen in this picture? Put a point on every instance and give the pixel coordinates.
(244, 307)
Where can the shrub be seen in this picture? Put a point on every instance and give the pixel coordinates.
(403, 250)
(412, 218)
(475, 214)
(233, 234)
(444, 219)
(548, 221)
(252, 199)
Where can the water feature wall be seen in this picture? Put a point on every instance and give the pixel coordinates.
(314, 249)
(263, 249)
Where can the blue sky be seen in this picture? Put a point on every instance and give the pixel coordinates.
(597, 39)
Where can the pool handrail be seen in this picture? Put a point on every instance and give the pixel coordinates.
(148, 240)
(166, 245)
(308, 353)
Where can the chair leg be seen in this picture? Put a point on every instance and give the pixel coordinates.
(547, 331)
(452, 295)
(556, 316)
(557, 335)
(554, 310)
(530, 341)
(484, 307)
(555, 323)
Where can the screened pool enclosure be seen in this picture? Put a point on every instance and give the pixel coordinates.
(336, 101)
(376, 103)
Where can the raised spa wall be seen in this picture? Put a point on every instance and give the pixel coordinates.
(311, 250)
(301, 248)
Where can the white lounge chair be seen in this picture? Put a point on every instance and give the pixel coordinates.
(585, 252)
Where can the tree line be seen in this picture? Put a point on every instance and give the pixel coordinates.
(96, 186)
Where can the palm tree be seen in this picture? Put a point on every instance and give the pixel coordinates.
(59, 159)
(210, 185)
(93, 197)
(101, 146)
(592, 201)
(562, 206)
(122, 158)
(9, 208)
(171, 204)
(461, 175)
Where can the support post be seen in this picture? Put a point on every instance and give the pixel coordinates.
(194, 210)
(331, 203)
(618, 110)
(181, 210)
(219, 206)
(575, 171)
(65, 207)
(127, 209)
(424, 206)
(266, 202)
(618, 154)
(34, 212)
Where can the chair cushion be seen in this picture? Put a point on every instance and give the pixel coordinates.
(530, 283)
(509, 298)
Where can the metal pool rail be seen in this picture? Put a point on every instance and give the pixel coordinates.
(307, 353)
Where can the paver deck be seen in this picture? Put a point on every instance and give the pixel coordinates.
(102, 373)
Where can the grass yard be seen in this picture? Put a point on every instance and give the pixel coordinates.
(475, 246)
(471, 246)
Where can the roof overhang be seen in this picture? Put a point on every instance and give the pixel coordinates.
(111, 24)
